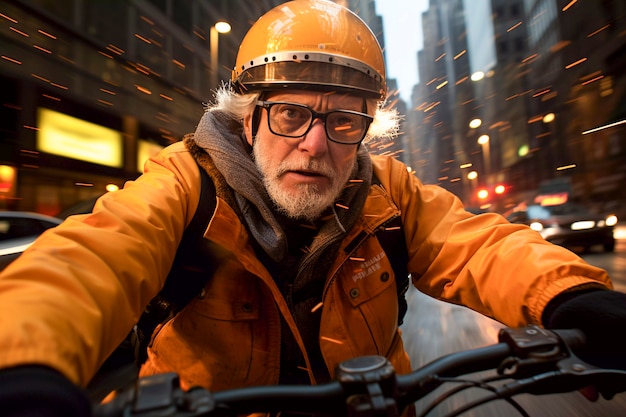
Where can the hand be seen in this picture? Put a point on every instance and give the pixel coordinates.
(38, 391)
(601, 316)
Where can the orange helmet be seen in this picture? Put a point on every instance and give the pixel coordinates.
(310, 44)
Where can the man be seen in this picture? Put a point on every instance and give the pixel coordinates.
(305, 283)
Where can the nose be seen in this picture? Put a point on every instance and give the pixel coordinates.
(315, 142)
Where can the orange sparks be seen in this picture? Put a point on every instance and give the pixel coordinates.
(15, 61)
(573, 64)
(317, 307)
(570, 4)
(328, 339)
(515, 26)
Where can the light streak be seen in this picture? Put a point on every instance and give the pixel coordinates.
(570, 4)
(621, 122)
(328, 339)
(317, 307)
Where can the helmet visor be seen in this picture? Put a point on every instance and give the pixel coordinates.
(322, 76)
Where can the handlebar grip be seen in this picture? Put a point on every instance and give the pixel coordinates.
(575, 339)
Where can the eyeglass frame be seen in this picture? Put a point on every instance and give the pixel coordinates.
(266, 104)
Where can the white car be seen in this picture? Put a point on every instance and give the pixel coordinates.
(569, 225)
(18, 230)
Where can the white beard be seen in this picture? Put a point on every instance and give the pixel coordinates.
(307, 202)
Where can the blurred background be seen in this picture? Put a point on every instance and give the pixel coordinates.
(517, 102)
(515, 99)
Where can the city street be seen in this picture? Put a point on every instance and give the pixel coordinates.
(433, 329)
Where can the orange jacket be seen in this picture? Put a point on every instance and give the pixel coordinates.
(73, 296)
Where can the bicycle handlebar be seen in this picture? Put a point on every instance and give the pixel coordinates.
(533, 360)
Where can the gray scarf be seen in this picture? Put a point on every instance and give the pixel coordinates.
(222, 138)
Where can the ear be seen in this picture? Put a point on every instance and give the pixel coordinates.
(247, 127)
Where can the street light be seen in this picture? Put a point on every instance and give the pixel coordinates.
(483, 140)
(477, 76)
(549, 118)
(475, 123)
(219, 27)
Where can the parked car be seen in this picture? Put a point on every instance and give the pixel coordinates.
(18, 230)
(569, 224)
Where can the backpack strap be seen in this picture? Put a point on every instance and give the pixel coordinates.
(195, 262)
(188, 265)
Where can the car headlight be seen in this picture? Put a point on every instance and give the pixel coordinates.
(611, 220)
(584, 225)
(536, 226)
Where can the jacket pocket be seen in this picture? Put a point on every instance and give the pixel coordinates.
(369, 303)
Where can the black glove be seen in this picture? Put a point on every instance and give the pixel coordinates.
(38, 391)
(601, 316)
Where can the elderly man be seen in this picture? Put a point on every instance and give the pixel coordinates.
(299, 206)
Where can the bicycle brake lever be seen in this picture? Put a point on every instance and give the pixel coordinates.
(533, 349)
(572, 374)
(536, 348)
(531, 342)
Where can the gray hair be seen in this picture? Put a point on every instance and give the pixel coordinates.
(385, 126)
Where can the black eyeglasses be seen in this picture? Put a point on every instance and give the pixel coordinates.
(295, 120)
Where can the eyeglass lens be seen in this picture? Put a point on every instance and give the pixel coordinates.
(295, 121)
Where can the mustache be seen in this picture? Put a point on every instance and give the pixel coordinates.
(308, 165)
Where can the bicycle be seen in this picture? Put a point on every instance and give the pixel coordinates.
(526, 360)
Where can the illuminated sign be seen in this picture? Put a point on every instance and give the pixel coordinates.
(554, 199)
(63, 135)
(146, 150)
(7, 180)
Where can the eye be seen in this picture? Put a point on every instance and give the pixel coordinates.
(291, 113)
(343, 121)
(289, 119)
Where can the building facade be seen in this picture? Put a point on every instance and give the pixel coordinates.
(550, 99)
(90, 89)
